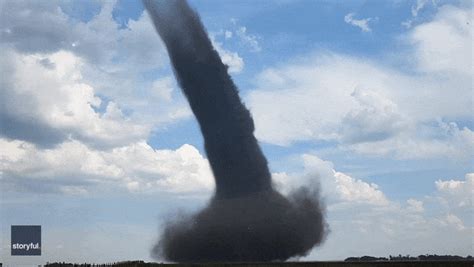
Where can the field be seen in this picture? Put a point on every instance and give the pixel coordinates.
(460, 263)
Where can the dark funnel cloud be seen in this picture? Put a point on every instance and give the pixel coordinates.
(246, 220)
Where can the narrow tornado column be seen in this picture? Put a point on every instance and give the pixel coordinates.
(246, 220)
(237, 162)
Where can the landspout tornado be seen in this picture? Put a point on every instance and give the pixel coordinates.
(246, 220)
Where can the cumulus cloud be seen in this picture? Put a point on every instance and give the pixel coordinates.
(163, 88)
(375, 118)
(363, 24)
(303, 102)
(455, 145)
(43, 27)
(453, 220)
(445, 43)
(74, 168)
(48, 104)
(385, 230)
(381, 225)
(75, 109)
(415, 205)
(456, 194)
(337, 187)
(370, 108)
(34, 26)
(337, 97)
(113, 57)
(229, 58)
(232, 59)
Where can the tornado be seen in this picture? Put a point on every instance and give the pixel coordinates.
(246, 219)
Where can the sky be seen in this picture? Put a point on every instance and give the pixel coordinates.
(371, 100)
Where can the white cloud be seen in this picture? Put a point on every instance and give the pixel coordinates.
(415, 205)
(433, 229)
(454, 186)
(66, 59)
(229, 58)
(370, 108)
(407, 24)
(457, 194)
(457, 145)
(43, 27)
(303, 102)
(453, 220)
(163, 88)
(352, 189)
(34, 27)
(363, 24)
(139, 45)
(386, 231)
(336, 187)
(248, 39)
(357, 208)
(312, 100)
(374, 118)
(228, 34)
(56, 97)
(237, 34)
(131, 51)
(445, 43)
(417, 7)
(79, 85)
(73, 168)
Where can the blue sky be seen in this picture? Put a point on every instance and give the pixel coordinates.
(371, 99)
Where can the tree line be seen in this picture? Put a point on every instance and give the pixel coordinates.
(426, 257)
